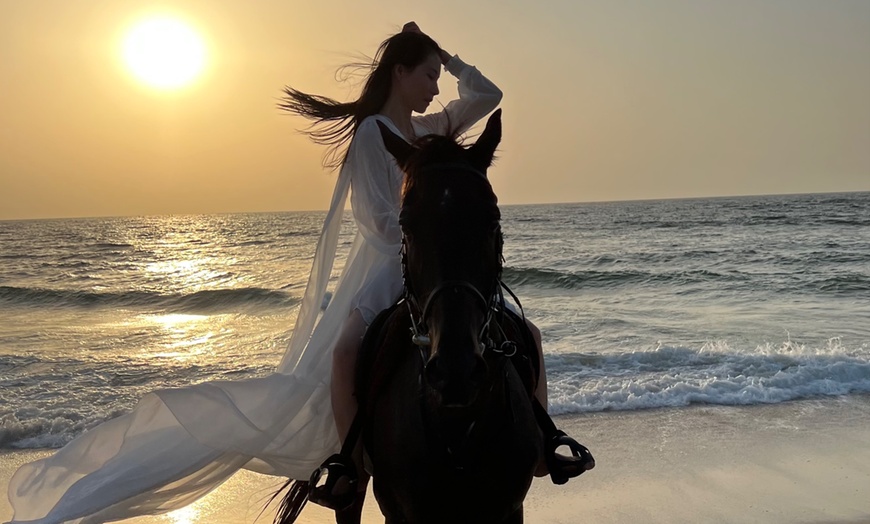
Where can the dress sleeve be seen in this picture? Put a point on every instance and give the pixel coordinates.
(375, 189)
(477, 97)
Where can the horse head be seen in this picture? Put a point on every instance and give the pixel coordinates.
(452, 257)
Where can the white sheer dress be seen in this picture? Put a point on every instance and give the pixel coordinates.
(179, 444)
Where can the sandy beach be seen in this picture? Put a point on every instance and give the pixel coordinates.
(806, 461)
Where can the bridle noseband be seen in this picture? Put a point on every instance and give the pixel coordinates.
(419, 330)
(418, 326)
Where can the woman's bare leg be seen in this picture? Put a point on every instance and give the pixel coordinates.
(541, 390)
(344, 359)
(344, 404)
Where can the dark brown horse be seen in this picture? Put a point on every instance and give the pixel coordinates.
(447, 376)
(451, 432)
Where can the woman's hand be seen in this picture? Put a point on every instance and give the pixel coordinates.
(412, 27)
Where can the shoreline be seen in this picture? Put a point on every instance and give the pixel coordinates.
(798, 461)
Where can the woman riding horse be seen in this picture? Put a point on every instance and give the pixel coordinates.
(403, 80)
(447, 376)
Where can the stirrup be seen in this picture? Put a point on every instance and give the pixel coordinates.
(564, 467)
(336, 467)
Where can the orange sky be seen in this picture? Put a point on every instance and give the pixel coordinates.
(603, 100)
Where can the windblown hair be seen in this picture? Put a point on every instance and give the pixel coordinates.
(334, 123)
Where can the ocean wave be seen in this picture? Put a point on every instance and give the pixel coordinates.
(288, 234)
(713, 374)
(819, 281)
(111, 246)
(666, 376)
(214, 300)
(248, 243)
(46, 429)
(844, 283)
(550, 278)
(85, 392)
(845, 221)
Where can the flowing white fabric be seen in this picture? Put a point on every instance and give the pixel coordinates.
(179, 444)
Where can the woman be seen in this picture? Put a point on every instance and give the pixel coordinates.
(179, 444)
(404, 81)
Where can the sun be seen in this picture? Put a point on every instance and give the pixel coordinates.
(164, 52)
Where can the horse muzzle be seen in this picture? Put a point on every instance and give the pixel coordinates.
(456, 383)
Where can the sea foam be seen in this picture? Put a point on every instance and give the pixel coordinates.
(716, 373)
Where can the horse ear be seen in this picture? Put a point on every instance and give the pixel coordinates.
(396, 145)
(482, 152)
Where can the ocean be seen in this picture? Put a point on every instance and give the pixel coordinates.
(642, 304)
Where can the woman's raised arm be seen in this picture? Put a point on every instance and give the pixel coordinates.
(478, 96)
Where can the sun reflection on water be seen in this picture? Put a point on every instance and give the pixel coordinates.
(171, 320)
(195, 273)
(186, 336)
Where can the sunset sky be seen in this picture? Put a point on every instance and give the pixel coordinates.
(604, 100)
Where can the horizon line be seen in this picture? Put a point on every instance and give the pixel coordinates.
(217, 213)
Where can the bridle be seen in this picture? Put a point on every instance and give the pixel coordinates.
(490, 306)
(420, 331)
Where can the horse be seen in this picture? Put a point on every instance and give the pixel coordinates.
(452, 435)
(446, 377)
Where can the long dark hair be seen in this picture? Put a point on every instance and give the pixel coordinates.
(334, 123)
